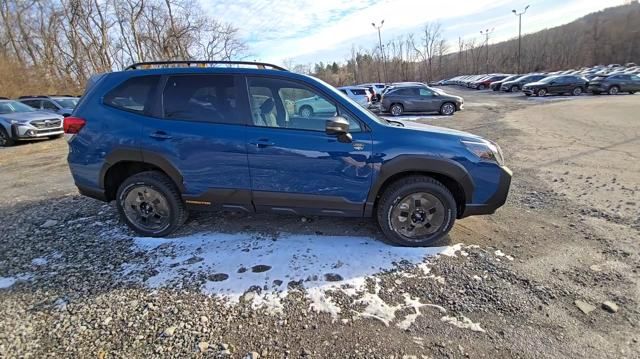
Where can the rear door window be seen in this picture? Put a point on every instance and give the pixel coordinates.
(133, 95)
(204, 98)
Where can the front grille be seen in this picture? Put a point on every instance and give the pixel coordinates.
(48, 123)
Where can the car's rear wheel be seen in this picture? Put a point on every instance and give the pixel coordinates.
(577, 91)
(541, 93)
(5, 139)
(631, 92)
(416, 211)
(150, 203)
(614, 90)
(447, 109)
(306, 111)
(396, 109)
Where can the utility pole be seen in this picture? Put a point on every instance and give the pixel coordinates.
(519, 15)
(384, 61)
(486, 41)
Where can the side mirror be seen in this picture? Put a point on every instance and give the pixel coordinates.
(338, 126)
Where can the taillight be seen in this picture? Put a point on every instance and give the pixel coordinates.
(73, 125)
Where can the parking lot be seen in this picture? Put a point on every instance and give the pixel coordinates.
(554, 273)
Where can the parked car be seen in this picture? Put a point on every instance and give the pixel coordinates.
(516, 85)
(21, 122)
(358, 94)
(62, 105)
(614, 84)
(420, 99)
(557, 85)
(160, 159)
(495, 86)
(314, 105)
(487, 81)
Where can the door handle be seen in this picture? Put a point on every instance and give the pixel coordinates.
(160, 135)
(262, 143)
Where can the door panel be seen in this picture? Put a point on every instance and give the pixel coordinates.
(303, 171)
(203, 136)
(295, 166)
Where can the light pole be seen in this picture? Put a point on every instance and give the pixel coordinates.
(486, 34)
(384, 62)
(519, 15)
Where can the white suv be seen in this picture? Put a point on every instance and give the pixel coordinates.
(360, 95)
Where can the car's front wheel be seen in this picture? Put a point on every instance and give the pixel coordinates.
(306, 111)
(396, 109)
(541, 93)
(416, 211)
(577, 91)
(481, 87)
(614, 90)
(447, 109)
(514, 88)
(150, 203)
(5, 139)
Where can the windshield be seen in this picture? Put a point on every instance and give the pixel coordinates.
(549, 79)
(67, 102)
(14, 107)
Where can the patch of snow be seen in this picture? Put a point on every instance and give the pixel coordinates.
(40, 261)
(6, 282)
(499, 253)
(262, 271)
(465, 323)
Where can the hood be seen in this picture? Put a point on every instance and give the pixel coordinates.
(30, 116)
(415, 126)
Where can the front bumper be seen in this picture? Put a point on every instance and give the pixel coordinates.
(27, 131)
(529, 91)
(496, 201)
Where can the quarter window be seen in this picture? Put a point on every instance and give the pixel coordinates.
(133, 95)
(206, 98)
(288, 104)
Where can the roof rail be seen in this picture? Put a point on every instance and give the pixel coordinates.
(32, 96)
(198, 63)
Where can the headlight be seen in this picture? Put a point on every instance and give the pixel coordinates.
(486, 151)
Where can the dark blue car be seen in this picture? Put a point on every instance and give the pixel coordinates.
(174, 137)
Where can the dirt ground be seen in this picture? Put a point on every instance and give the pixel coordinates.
(553, 274)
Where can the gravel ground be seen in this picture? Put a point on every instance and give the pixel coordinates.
(554, 273)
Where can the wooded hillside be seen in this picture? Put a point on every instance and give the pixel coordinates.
(608, 36)
(53, 46)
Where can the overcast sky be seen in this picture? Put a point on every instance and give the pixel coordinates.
(308, 31)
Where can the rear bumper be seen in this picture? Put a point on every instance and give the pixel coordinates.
(496, 201)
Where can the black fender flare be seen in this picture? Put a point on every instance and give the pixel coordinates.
(424, 164)
(131, 154)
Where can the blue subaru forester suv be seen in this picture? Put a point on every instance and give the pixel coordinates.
(164, 138)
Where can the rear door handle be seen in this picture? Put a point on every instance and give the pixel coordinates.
(160, 135)
(262, 143)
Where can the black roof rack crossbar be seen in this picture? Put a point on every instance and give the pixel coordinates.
(260, 65)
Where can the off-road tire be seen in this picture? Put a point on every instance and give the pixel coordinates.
(163, 184)
(403, 187)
